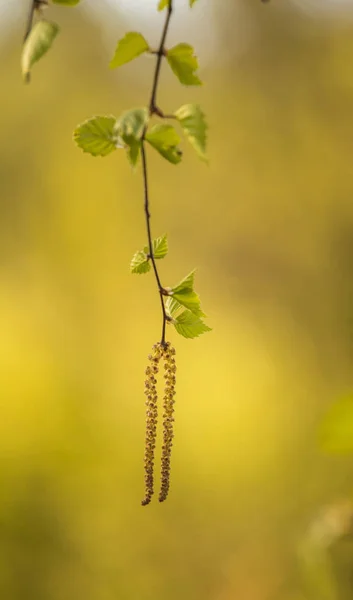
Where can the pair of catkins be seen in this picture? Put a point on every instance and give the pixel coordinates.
(166, 353)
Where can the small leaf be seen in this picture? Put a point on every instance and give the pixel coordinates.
(190, 326)
(184, 63)
(129, 47)
(191, 3)
(163, 4)
(336, 430)
(133, 152)
(37, 44)
(140, 263)
(173, 307)
(185, 322)
(186, 284)
(132, 123)
(192, 120)
(66, 2)
(191, 301)
(160, 247)
(186, 296)
(165, 140)
(130, 128)
(97, 136)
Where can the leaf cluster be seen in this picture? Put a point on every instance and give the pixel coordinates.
(101, 135)
(182, 304)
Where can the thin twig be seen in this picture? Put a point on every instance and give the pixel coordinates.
(161, 53)
(30, 18)
(149, 235)
(153, 109)
(36, 5)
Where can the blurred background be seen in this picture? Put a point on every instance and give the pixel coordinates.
(256, 510)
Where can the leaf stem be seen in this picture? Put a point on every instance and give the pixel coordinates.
(153, 109)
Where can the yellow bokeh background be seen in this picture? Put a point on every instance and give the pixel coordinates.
(269, 226)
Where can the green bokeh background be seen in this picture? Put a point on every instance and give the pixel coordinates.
(268, 224)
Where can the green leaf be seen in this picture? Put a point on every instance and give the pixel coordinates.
(191, 3)
(190, 300)
(165, 140)
(336, 430)
(186, 284)
(66, 2)
(186, 296)
(192, 120)
(185, 322)
(130, 128)
(184, 63)
(159, 246)
(163, 4)
(37, 44)
(132, 123)
(140, 263)
(96, 136)
(190, 326)
(131, 46)
(173, 307)
(133, 152)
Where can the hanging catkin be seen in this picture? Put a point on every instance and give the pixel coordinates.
(168, 419)
(151, 419)
(167, 352)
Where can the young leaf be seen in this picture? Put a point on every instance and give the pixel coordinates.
(129, 47)
(192, 120)
(132, 123)
(186, 284)
(140, 263)
(165, 140)
(173, 308)
(185, 322)
(96, 136)
(163, 4)
(191, 301)
(66, 2)
(130, 128)
(185, 295)
(134, 153)
(37, 44)
(159, 246)
(190, 326)
(184, 63)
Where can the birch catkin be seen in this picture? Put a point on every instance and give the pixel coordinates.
(167, 352)
(168, 419)
(151, 419)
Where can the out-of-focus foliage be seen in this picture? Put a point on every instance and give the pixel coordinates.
(270, 225)
(184, 63)
(37, 44)
(131, 46)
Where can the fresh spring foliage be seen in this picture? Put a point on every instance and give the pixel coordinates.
(39, 35)
(128, 48)
(132, 131)
(102, 135)
(184, 63)
(37, 44)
